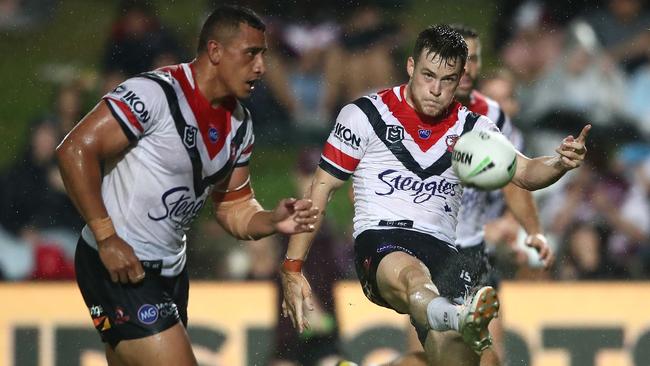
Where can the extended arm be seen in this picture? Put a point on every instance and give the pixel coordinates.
(296, 288)
(540, 172)
(522, 206)
(239, 213)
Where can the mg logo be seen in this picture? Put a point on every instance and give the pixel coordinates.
(147, 314)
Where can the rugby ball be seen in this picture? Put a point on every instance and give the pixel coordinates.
(484, 159)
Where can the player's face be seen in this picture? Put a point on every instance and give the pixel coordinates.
(242, 62)
(472, 69)
(432, 83)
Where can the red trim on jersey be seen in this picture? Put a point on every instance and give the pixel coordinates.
(340, 158)
(248, 150)
(128, 113)
(424, 130)
(478, 103)
(207, 116)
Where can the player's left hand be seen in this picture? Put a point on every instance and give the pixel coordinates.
(572, 151)
(539, 242)
(296, 298)
(293, 216)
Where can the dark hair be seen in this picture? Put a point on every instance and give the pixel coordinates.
(444, 41)
(465, 30)
(224, 21)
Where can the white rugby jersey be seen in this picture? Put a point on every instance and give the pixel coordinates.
(478, 207)
(181, 147)
(400, 163)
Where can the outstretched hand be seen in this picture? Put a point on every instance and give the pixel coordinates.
(572, 151)
(293, 216)
(296, 298)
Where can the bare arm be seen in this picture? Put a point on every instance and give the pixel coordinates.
(540, 172)
(522, 206)
(322, 188)
(96, 138)
(297, 292)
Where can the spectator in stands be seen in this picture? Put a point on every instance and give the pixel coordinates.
(575, 81)
(138, 42)
(622, 28)
(585, 255)
(37, 215)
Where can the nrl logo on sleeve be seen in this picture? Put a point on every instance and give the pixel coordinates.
(394, 134)
(189, 137)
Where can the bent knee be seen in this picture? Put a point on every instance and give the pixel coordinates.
(416, 277)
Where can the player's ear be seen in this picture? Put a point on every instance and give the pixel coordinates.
(410, 66)
(214, 51)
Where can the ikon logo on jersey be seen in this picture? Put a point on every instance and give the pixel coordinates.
(137, 105)
(424, 133)
(420, 190)
(346, 136)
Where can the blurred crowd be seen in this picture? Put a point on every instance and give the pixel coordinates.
(559, 65)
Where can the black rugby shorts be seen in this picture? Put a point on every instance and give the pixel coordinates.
(442, 260)
(126, 311)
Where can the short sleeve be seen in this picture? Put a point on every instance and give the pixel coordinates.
(346, 143)
(485, 124)
(136, 104)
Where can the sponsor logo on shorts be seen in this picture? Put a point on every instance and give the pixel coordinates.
(167, 309)
(102, 323)
(96, 310)
(120, 316)
(392, 248)
(147, 314)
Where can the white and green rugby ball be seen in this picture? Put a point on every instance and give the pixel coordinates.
(484, 159)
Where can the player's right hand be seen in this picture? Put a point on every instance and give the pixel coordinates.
(120, 260)
(297, 298)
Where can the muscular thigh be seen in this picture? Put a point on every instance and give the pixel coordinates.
(413, 255)
(170, 347)
(399, 272)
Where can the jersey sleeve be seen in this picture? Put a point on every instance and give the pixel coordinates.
(346, 143)
(485, 124)
(247, 145)
(136, 104)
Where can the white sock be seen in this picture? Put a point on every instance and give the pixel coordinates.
(442, 314)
